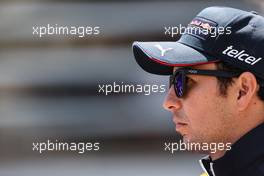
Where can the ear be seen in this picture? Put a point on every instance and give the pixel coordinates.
(247, 87)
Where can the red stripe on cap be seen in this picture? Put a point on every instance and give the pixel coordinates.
(182, 65)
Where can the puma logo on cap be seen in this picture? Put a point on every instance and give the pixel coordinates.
(163, 51)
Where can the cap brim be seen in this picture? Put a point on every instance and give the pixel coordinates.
(160, 57)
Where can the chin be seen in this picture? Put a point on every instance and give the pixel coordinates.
(186, 138)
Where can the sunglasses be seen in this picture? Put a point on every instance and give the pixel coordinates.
(179, 78)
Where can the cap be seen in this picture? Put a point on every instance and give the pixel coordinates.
(215, 34)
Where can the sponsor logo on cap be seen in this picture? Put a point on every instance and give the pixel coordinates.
(201, 24)
(201, 28)
(241, 55)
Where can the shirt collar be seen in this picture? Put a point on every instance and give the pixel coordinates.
(207, 165)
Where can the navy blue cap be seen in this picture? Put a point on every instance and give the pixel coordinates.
(215, 34)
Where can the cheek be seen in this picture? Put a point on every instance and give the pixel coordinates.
(201, 102)
(199, 112)
(204, 110)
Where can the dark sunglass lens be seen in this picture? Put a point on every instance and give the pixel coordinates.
(178, 84)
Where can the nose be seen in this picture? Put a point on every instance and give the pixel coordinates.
(172, 102)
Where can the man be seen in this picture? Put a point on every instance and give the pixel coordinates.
(217, 87)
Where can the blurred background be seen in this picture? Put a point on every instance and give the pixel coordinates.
(49, 87)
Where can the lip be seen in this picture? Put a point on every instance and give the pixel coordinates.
(179, 125)
(181, 128)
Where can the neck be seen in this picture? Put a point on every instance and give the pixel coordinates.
(244, 127)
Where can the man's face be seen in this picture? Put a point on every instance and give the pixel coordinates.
(203, 115)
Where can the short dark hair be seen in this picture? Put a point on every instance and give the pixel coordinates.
(224, 83)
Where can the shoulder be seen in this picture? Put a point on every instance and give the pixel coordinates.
(260, 168)
(256, 169)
